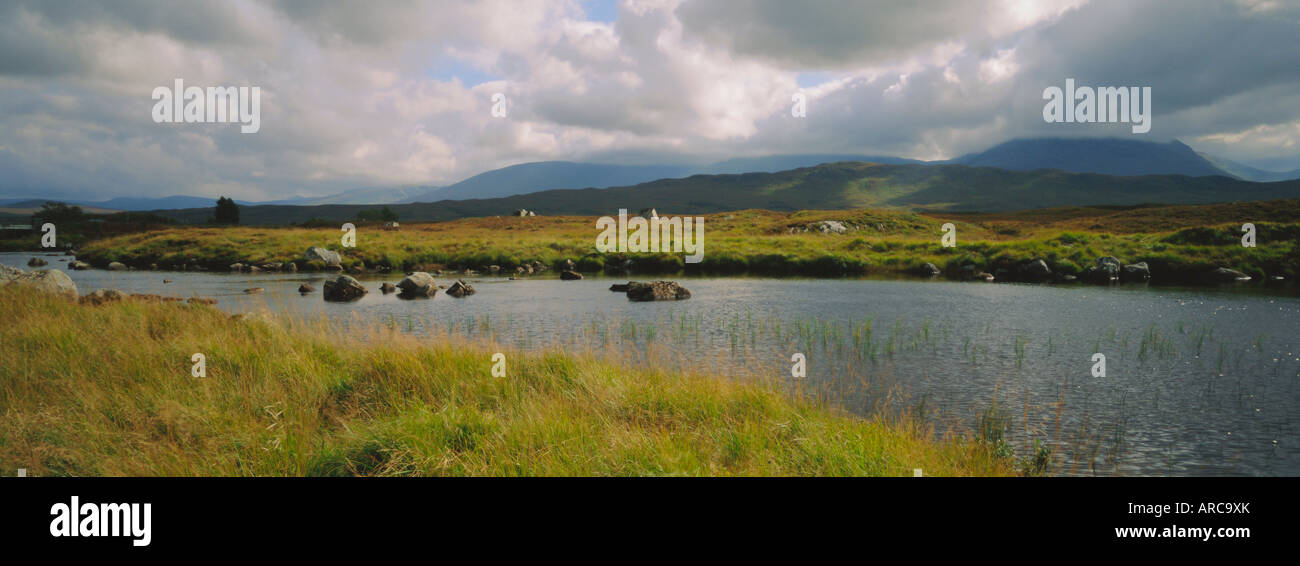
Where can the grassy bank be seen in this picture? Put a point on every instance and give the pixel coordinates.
(1180, 243)
(107, 390)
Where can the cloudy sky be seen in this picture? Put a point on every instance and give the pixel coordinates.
(365, 94)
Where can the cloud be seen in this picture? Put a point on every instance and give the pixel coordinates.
(359, 96)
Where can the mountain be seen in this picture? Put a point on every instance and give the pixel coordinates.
(831, 186)
(1243, 171)
(1107, 156)
(774, 163)
(544, 175)
(527, 178)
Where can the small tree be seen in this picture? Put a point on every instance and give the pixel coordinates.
(58, 213)
(227, 211)
(387, 215)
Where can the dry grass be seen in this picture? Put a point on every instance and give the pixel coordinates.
(107, 390)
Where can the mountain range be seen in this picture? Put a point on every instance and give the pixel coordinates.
(841, 185)
(1106, 156)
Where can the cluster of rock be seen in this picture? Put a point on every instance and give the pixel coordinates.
(287, 267)
(1106, 270)
(523, 212)
(652, 291)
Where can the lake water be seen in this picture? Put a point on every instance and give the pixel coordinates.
(1198, 381)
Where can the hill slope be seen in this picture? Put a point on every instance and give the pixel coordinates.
(831, 186)
(1107, 156)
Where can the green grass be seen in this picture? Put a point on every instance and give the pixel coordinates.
(107, 390)
(1180, 243)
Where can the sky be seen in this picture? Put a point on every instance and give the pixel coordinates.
(400, 93)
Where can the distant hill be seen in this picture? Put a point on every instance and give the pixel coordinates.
(832, 186)
(774, 163)
(527, 178)
(1107, 156)
(1243, 171)
(545, 175)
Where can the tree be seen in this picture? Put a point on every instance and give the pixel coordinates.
(387, 215)
(58, 213)
(227, 211)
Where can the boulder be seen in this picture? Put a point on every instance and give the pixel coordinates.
(570, 275)
(387, 288)
(929, 270)
(657, 291)
(116, 266)
(460, 289)
(648, 213)
(37, 262)
(621, 287)
(418, 284)
(1106, 271)
(329, 258)
(1225, 275)
(1135, 273)
(344, 288)
(306, 288)
(254, 290)
(79, 265)
(289, 266)
(47, 280)
(983, 276)
(236, 267)
(1034, 271)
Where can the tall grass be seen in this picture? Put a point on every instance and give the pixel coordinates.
(107, 390)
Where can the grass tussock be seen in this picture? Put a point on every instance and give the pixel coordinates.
(107, 390)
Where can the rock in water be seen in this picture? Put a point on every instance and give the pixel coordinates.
(621, 287)
(79, 265)
(570, 275)
(1106, 271)
(1034, 271)
(329, 258)
(1135, 272)
(343, 288)
(116, 266)
(930, 270)
(418, 284)
(657, 291)
(36, 262)
(387, 288)
(1225, 275)
(306, 288)
(48, 280)
(460, 289)
(254, 290)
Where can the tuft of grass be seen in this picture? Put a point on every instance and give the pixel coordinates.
(107, 390)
